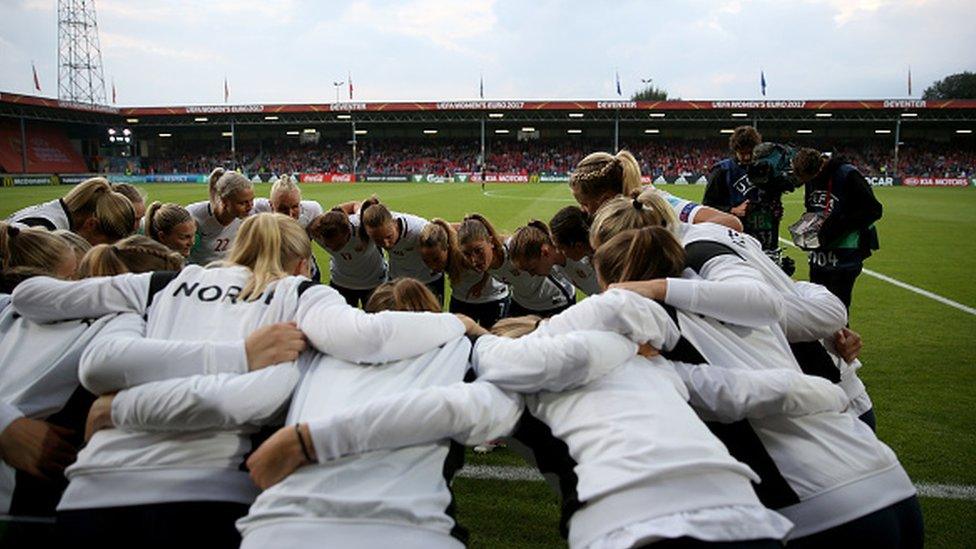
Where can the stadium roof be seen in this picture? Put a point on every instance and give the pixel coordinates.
(53, 109)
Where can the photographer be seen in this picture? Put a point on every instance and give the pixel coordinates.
(730, 190)
(838, 228)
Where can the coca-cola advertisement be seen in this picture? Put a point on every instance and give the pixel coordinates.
(326, 178)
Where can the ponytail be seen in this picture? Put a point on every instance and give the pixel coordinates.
(267, 244)
(372, 214)
(223, 184)
(640, 254)
(95, 197)
(135, 254)
(440, 234)
(402, 294)
(477, 227)
(163, 218)
(600, 174)
(35, 249)
(618, 214)
(527, 241)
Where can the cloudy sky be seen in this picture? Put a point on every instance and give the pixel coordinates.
(179, 51)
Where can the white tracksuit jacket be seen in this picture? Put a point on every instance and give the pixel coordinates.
(121, 467)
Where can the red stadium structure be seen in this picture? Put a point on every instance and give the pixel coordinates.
(896, 141)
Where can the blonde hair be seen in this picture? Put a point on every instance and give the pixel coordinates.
(648, 208)
(224, 183)
(527, 241)
(477, 227)
(440, 234)
(640, 254)
(402, 294)
(79, 245)
(267, 243)
(133, 193)
(516, 326)
(135, 254)
(36, 250)
(95, 197)
(601, 173)
(284, 184)
(163, 218)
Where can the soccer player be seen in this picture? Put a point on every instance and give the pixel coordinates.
(533, 250)
(286, 198)
(91, 209)
(219, 218)
(486, 252)
(356, 268)
(171, 225)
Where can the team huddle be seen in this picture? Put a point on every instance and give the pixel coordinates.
(196, 384)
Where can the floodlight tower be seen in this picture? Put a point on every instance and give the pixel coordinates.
(79, 55)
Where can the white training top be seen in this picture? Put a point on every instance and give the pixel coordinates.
(308, 210)
(801, 323)
(644, 462)
(582, 274)
(536, 293)
(358, 265)
(463, 289)
(403, 493)
(213, 240)
(405, 488)
(827, 468)
(197, 305)
(38, 372)
(51, 215)
(405, 259)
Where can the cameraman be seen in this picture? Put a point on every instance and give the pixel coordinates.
(730, 190)
(837, 192)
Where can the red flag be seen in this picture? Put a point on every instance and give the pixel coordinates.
(350, 85)
(226, 90)
(37, 81)
(113, 92)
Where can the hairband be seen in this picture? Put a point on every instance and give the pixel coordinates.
(638, 205)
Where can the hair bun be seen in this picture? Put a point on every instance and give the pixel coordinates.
(13, 230)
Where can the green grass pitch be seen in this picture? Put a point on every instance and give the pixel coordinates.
(919, 355)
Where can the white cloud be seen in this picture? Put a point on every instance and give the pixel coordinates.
(443, 22)
(123, 46)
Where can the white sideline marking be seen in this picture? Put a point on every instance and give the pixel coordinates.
(519, 473)
(907, 286)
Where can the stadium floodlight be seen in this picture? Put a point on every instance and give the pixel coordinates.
(496, 115)
(726, 130)
(528, 129)
(430, 132)
(361, 132)
(227, 134)
(740, 115)
(131, 120)
(309, 130)
(501, 131)
(656, 115)
(967, 132)
(882, 131)
(165, 135)
(909, 114)
(574, 131)
(126, 131)
(293, 132)
(804, 131)
(200, 119)
(270, 117)
(111, 131)
(652, 130)
(576, 115)
(343, 116)
(824, 114)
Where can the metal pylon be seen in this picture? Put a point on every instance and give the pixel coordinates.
(79, 55)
